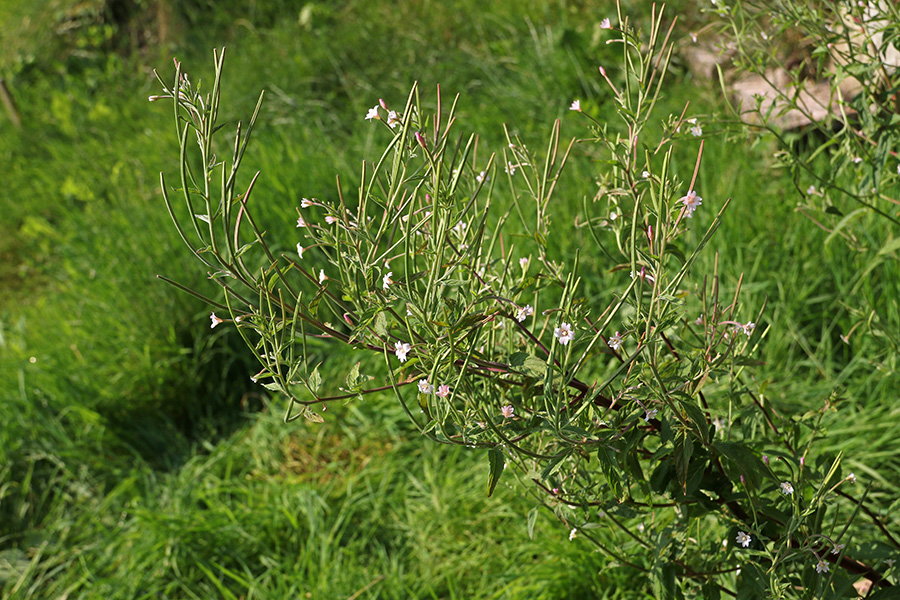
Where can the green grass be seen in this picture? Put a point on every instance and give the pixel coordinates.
(137, 459)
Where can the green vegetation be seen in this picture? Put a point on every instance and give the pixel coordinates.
(137, 459)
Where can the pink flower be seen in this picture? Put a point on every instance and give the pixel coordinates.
(443, 391)
(372, 114)
(576, 105)
(305, 203)
(691, 201)
(329, 219)
(508, 411)
(215, 320)
(401, 349)
(615, 342)
(525, 311)
(564, 333)
(301, 222)
(605, 24)
(393, 119)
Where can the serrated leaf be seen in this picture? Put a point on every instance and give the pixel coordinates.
(315, 380)
(554, 464)
(496, 461)
(527, 364)
(312, 415)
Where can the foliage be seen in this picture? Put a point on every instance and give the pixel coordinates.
(490, 345)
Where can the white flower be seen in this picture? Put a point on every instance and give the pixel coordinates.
(425, 387)
(811, 190)
(851, 478)
(856, 160)
(837, 548)
(401, 349)
(301, 222)
(525, 311)
(691, 201)
(511, 168)
(650, 414)
(576, 105)
(743, 539)
(481, 177)
(443, 391)
(299, 250)
(508, 411)
(748, 328)
(523, 262)
(615, 342)
(786, 488)
(322, 276)
(564, 333)
(373, 113)
(305, 203)
(822, 567)
(386, 280)
(330, 220)
(393, 119)
(215, 320)
(573, 533)
(696, 131)
(693, 37)
(645, 175)
(605, 24)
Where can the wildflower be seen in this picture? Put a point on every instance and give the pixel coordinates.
(764, 35)
(693, 37)
(508, 411)
(837, 548)
(613, 216)
(748, 328)
(766, 460)
(699, 320)
(301, 222)
(889, 562)
(645, 175)
(421, 140)
(523, 262)
(856, 160)
(641, 527)
(811, 190)
(330, 219)
(443, 391)
(743, 539)
(650, 414)
(373, 113)
(481, 177)
(615, 342)
(460, 228)
(691, 201)
(382, 103)
(393, 119)
(786, 488)
(851, 478)
(510, 168)
(572, 533)
(696, 131)
(386, 280)
(822, 567)
(425, 387)
(564, 333)
(605, 24)
(401, 349)
(215, 320)
(576, 105)
(299, 250)
(524, 312)
(322, 276)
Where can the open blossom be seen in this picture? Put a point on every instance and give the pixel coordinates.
(525, 311)
(691, 201)
(822, 567)
(748, 328)
(305, 203)
(564, 333)
(481, 177)
(301, 222)
(576, 105)
(401, 349)
(523, 262)
(837, 548)
(511, 168)
(508, 411)
(786, 488)
(851, 478)
(373, 113)
(393, 119)
(215, 320)
(650, 414)
(573, 533)
(743, 539)
(322, 276)
(425, 387)
(615, 342)
(605, 24)
(299, 250)
(443, 391)
(696, 131)
(386, 280)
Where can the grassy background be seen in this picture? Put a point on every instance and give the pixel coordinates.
(137, 459)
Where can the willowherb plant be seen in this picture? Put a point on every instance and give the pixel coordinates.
(632, 420)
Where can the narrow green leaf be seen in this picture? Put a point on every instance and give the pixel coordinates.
(496, 460)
